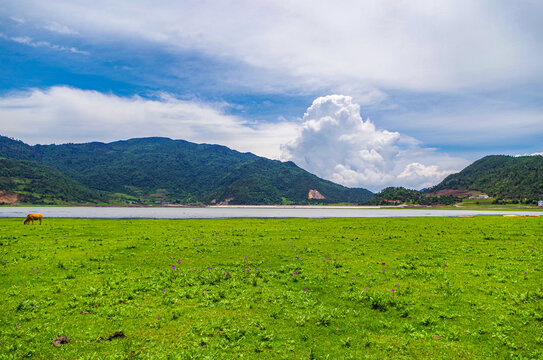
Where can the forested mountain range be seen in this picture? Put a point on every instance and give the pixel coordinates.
(176, 171)
(499, 176)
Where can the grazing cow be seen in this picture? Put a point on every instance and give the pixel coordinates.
(32, 217)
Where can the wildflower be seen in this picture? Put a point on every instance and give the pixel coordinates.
(484, 282)
(173, 266)
(227, 274)
(295, 272)
(392, 290)
(159, 318)
(445, 265)
(304, 289)
(398, 284)
(163, 290)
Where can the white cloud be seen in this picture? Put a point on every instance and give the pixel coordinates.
(63, 114)
(25, 40)
(416, 44)
(59, 28)
(17, 19)
(337, 144)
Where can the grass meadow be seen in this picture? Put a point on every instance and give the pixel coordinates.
(384, 288)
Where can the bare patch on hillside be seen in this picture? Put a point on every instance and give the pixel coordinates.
(8, 197)
(315, 194)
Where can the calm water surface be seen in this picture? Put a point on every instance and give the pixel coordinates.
(235, 212)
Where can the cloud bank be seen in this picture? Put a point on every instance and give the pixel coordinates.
(337, 144)
(417, 45)
(62, 114)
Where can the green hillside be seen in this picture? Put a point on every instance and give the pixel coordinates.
(29, 182)
(502, 177)
(400, 195)
(165, 170)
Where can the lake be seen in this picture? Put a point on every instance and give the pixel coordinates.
(237, 212)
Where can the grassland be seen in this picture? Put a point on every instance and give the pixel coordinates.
(394, 288)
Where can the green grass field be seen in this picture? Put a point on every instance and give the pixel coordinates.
(388, 288)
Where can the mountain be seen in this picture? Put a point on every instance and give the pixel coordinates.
(165, 170)
(502, 177)
(400, 195)
(30, 182)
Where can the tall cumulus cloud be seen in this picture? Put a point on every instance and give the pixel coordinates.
(337, 144)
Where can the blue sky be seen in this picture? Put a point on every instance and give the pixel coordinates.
(364, 93)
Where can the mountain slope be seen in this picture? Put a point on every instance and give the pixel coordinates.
(181, 171)
(499, 176)
(26, 181)
(400, 195)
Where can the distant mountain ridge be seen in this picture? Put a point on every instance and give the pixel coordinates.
(499, 176)
(178, 171)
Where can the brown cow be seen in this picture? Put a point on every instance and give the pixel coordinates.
(32, 217)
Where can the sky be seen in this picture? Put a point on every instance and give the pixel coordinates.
(364, 93)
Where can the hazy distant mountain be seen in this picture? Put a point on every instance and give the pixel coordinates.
(502, 177)
(161, 169)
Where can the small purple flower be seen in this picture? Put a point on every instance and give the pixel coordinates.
(392, 290)
(328, 257)
(173, 266)
(159, 318)
(256, 268)
(398, 284)
(248, 270)
(324, 261)
(296, 273)
(484, 282)
(194, 269)
(227, 274)
(445, 265)
(179, 261)
(304, 289)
